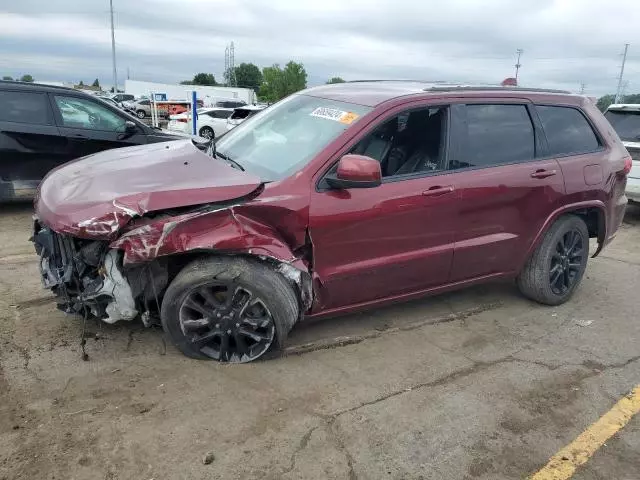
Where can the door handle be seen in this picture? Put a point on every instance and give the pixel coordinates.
(79, 137)
(438, 190)
(543, 173)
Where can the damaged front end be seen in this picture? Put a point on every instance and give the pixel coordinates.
(88, 277)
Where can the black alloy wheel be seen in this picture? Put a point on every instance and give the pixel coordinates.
(227, 322)
(566, 262)
(556, 267)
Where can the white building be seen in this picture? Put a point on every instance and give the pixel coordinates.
(182, 92)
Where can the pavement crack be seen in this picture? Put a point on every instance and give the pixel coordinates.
(304, 441)
(355, 339)
(339, 443)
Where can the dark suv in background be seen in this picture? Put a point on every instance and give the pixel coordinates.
(42, 127)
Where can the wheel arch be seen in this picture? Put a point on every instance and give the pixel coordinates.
(593, 214)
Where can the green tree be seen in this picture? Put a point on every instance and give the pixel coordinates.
(605, 101)
(96, 83)
(204, 79)
(81, 84)
(186, 82)
(7, 77)
(277, 83)
(26, 78)
(335, 80)
(248, 75)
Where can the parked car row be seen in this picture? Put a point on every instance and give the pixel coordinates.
(625, 119)
(212, 122)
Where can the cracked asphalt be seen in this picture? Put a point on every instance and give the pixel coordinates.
(477, 384)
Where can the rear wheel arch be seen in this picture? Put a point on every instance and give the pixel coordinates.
(592, 213)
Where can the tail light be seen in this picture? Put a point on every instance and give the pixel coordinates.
(183, 120)
(628, 163)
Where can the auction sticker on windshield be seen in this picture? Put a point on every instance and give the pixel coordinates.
(334, 114)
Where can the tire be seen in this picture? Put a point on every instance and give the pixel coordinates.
(207, 132)
(141, 114)
(224, 325)
(551, 260)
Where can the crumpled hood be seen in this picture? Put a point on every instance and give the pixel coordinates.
(93, 197)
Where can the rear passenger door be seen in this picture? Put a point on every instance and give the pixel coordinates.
(506, 188)
(30, 143)
(573, 142)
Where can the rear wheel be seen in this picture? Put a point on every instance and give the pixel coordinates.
(207, 132)
(555, 269)
(228, 309)
(141, 114)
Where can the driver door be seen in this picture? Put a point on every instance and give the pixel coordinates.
(397, 238)
(90, 127)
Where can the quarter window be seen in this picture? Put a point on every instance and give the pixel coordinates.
(497, 135)
(567, 131)
(224, 114)
(21, 107)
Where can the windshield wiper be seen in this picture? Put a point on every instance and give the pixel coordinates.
(230, 161)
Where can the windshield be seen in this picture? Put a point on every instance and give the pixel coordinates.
(278, 141)
(625, 123)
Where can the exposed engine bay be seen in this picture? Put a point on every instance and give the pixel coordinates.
(88, 278)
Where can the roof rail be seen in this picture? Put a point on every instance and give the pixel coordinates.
(398, 80)
(450, 88)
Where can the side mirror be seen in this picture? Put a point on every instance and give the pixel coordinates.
(130, 127)
(201, 143)
(356, 171)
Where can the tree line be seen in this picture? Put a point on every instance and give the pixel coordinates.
(24, 78)
(606, 100)
(271, 83)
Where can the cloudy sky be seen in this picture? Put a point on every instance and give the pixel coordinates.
(565, 42)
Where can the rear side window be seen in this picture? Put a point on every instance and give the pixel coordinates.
(497, 134)
(219, 114)
(567, 130)
(24, 107)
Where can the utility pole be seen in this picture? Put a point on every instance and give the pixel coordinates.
(624, 60)
(113, 50)
(518, 64)
(582, 87)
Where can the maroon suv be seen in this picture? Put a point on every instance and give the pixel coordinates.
(337, 198)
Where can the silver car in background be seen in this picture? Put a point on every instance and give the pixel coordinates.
(625, 119)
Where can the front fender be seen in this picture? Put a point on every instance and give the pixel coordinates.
(223, 230)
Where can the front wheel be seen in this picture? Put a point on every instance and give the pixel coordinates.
(207, 132)
(555, 269)
(228, 309)
(141, 114)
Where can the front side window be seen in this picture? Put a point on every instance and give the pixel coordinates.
(411, 142)
(567, 131)
(87, 114)
(497, 135)
(280, 140)
(24, 107)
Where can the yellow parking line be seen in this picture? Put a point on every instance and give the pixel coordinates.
(564, 463)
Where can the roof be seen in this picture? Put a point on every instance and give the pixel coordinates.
(374, 92)
(247, 107)
(39, 87)
(624, 106)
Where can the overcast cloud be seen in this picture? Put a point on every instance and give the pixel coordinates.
(565, 42)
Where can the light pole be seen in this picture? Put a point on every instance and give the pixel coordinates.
(113, 51)
(518, 64)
